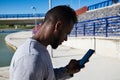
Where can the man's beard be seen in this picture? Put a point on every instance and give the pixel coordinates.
(55, 43)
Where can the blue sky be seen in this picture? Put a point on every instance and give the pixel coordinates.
(24, 6)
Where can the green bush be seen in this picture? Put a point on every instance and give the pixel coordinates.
(15, 26)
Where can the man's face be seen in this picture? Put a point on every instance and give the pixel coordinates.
(61, 35)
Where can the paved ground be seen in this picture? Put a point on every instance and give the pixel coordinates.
(98, 68)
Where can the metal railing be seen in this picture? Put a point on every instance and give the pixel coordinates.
(108, 26)
(21, 15)
(101, 4)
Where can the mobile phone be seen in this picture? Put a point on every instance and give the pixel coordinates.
(86, 57)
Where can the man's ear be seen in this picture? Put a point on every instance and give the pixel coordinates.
(58, 25)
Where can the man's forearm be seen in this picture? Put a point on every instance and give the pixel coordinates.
(62, 74)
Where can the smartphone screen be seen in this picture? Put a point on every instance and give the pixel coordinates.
(86, 57)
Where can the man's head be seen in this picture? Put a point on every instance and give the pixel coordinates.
(63, 12)
(59, 22)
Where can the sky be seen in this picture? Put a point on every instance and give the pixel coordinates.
(42, 6)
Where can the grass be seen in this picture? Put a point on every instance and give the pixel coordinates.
(14, 27)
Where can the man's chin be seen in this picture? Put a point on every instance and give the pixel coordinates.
(55, 46)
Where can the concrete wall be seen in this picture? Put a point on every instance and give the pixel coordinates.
(103, 46)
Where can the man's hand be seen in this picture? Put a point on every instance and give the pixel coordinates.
(73, 67)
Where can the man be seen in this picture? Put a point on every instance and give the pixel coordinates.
(31, 60)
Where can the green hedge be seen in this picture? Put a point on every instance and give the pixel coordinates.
(13, 27)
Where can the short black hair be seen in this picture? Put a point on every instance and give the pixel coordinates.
(61, 12)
